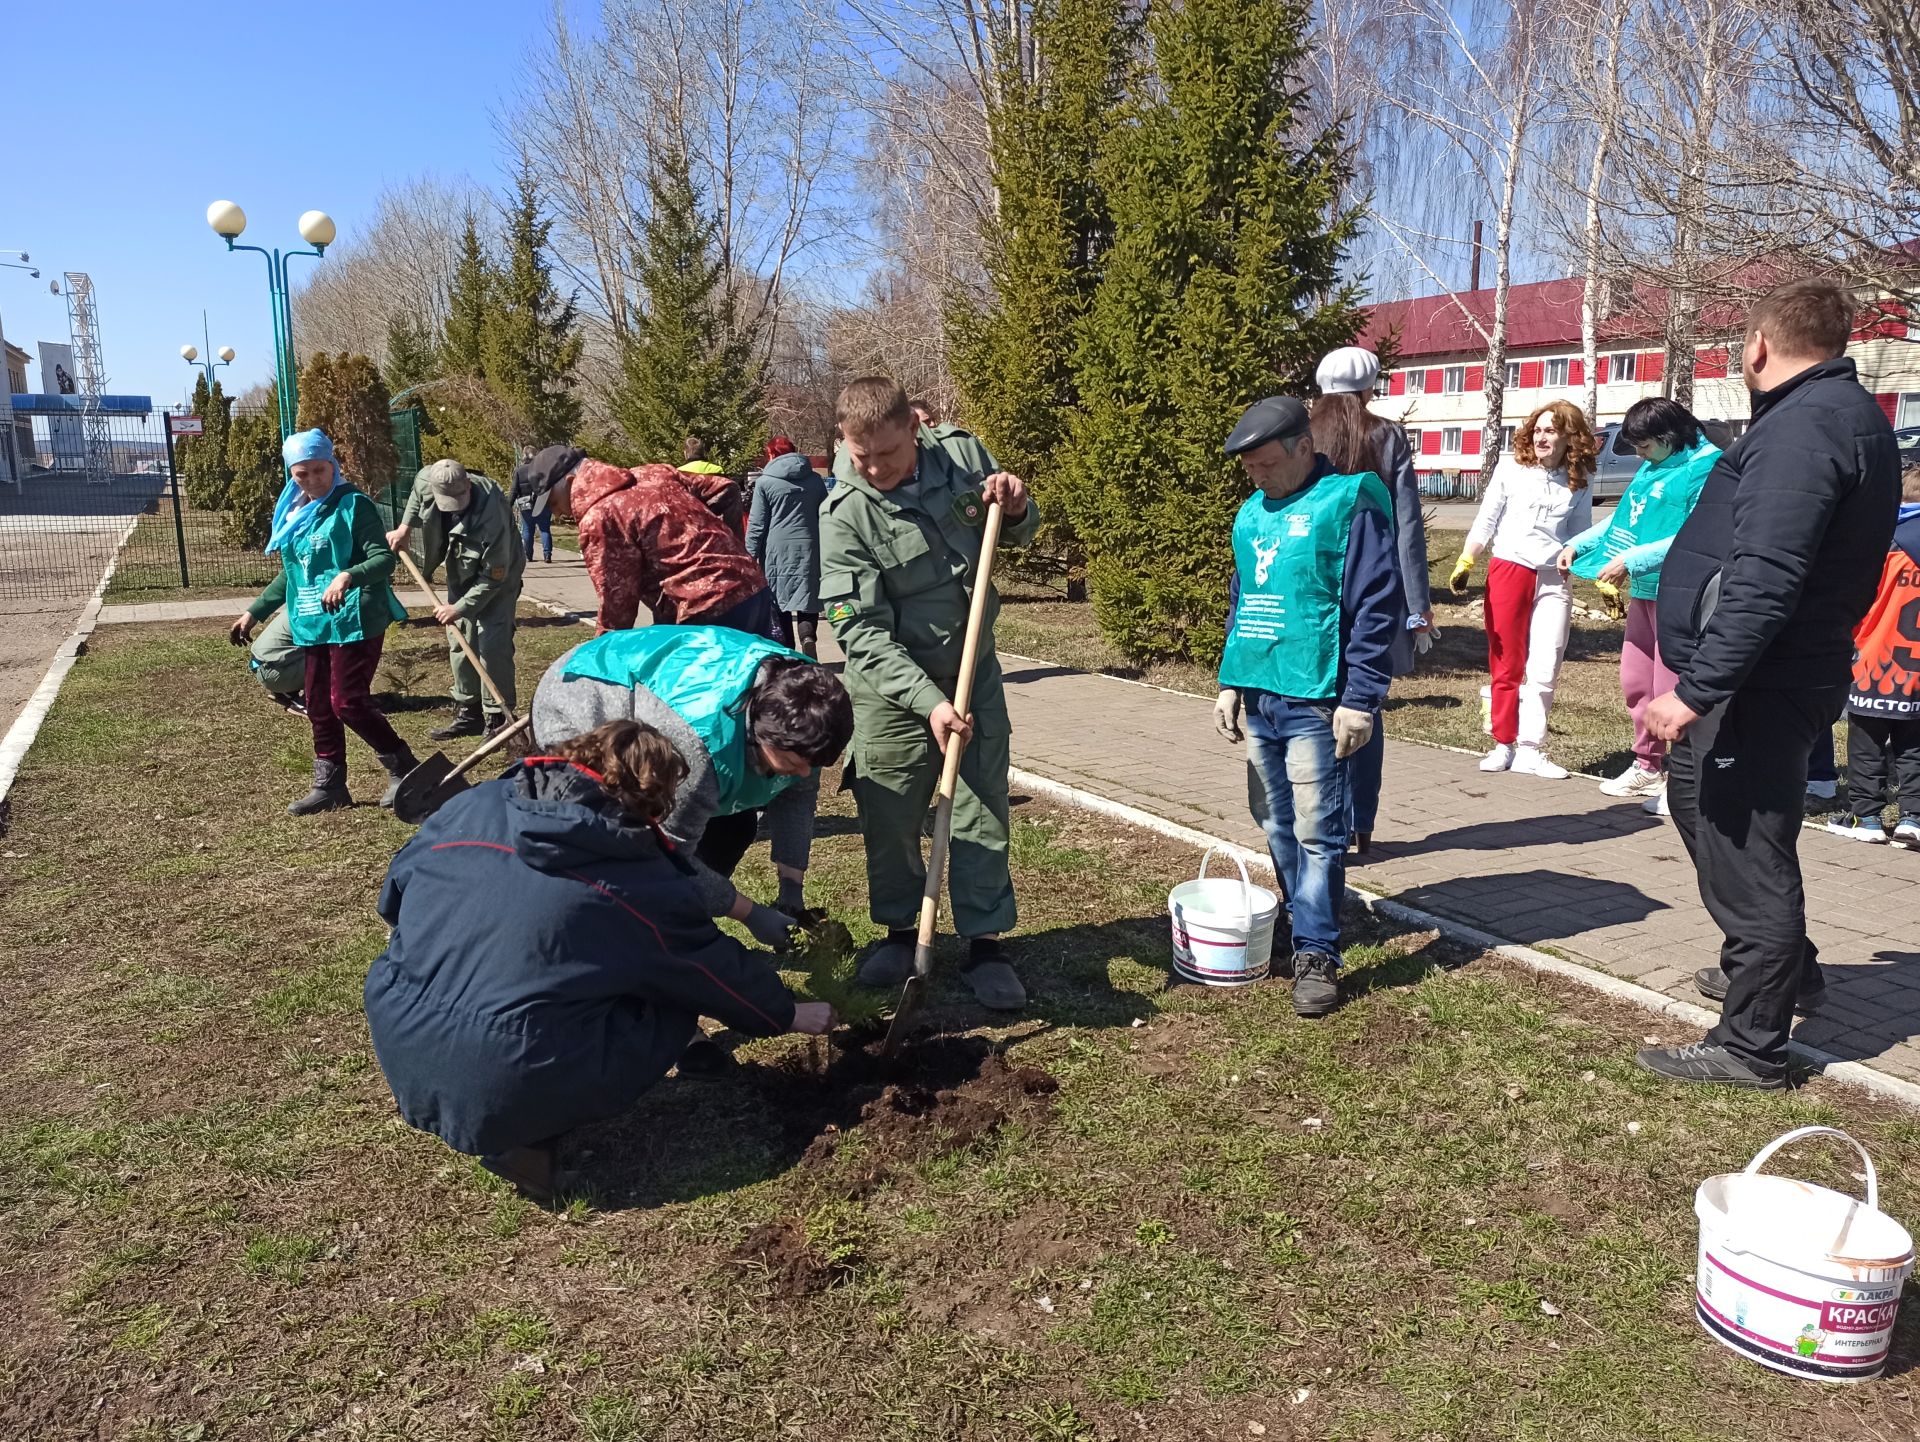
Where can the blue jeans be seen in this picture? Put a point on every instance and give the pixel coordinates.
(528, 523)
(1298, 793)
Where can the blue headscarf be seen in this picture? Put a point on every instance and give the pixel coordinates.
(293, 513)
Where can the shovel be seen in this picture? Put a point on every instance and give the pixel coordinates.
(915, 991)
(436, 781)
(454, 631)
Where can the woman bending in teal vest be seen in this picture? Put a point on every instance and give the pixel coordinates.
(334, 565)
(753, 721)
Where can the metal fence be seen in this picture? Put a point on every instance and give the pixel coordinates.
(96, 505)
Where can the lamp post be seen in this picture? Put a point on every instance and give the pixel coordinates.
(191, 354)
(9, 453)
(229, 221)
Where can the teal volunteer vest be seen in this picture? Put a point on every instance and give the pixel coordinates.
(1656, 504)
(313, 559)
(1292, 560)
(702, 673)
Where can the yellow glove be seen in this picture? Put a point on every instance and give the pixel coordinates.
(1610, 597)
(1462, 568)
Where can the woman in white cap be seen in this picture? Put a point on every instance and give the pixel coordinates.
(1354, 440)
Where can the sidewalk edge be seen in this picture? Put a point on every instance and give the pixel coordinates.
(1853, 1073)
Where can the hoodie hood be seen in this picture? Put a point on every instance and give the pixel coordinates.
(1906, 531)
(559, 819)
(790, 467)
(593, 482)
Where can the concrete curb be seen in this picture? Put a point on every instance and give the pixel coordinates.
(1853, 1073)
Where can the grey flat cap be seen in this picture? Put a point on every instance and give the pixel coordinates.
(1276, 418)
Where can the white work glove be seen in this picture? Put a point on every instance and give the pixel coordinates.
(1423, 640)
(1351, 730)
(1226, 715)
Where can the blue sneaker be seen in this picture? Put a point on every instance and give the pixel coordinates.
(1907, 833)
(1859, 828)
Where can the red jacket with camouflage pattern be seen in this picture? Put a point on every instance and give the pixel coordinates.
(648, 541)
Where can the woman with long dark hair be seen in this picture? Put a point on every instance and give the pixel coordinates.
(1538, 499)
(1354, 439)
(1624, 552)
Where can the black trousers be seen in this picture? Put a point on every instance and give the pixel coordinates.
(1883, 756)
(1736, 784)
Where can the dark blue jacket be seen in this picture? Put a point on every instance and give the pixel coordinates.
(1373, 608)
(549, 961)
(1781, 556)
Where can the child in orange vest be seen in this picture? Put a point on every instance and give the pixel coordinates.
(1883, 703)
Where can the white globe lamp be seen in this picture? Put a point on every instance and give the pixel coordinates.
(227, 219)
(317, 229)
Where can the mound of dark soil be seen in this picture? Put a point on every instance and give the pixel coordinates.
(793, 1268)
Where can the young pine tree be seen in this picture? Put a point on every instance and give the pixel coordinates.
(1221, 287)
(1013, 352)
(529, 348)
(689, 366)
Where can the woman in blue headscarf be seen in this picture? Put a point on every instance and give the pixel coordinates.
(334, 565)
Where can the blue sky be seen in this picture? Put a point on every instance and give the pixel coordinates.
(280, 107)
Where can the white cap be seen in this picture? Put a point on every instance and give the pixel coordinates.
(1349, 371)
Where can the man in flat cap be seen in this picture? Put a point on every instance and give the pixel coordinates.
(467, 522)
(1316, 605)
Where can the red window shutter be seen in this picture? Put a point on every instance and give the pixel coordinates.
(1529, 374)
(1600, 371)
(1711, 364)
(1891, 405)
(1476, 378)
(1430, 442)
(1470, 443)
(1397, 383)
(1434, 381)
(1653, 365)
(1576, 372)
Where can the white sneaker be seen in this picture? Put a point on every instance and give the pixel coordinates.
(1498, 759)
(1860, 828)
(1907, 833)
(1636, 780)
(1823, 790)
(1656, 804)
(1532, 761)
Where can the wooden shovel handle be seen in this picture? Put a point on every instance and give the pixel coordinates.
(956, 744)
(434, 596)
(492, 744)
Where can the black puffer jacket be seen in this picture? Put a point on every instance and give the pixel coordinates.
(1780, 558)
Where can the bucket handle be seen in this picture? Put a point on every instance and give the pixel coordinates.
(1873, 1177)
(1246, 883)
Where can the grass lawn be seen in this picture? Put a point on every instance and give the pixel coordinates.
(1588, 730)
(1453, 1210)
(149, 565)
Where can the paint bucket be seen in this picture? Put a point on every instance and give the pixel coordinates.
(1486, 709)
(1796, 1277)
(1222, 929)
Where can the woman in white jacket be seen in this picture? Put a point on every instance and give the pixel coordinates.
(1537, 501)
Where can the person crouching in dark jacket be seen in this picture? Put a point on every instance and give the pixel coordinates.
(580, 982)
(1762, 587)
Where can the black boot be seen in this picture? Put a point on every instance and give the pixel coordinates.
(398, 764)
(329, 790)
(465, 723)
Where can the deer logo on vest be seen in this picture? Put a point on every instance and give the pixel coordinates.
(1266, 553)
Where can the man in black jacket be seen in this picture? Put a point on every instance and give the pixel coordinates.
(1758, 599)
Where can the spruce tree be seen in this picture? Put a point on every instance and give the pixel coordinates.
(202, 459)
(469, 299)
(1013, 352)
(1222, 286)
(529, 346)
(689, 364)
(413, 352)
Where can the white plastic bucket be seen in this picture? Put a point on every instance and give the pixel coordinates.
(1796, 1277)
(1222, 929)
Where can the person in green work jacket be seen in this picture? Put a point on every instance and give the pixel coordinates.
(468, 523)
(334, 565)
(899, 541)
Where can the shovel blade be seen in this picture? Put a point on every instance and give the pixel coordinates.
(911, 996)
(420, 793)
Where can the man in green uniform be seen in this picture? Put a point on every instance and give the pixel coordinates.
(900, 541)
(467, 522)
